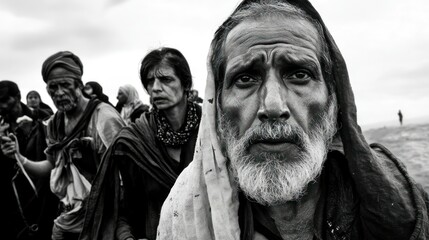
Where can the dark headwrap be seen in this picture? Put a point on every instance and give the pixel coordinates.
(64, 59)
(97, 89)
(8, 88)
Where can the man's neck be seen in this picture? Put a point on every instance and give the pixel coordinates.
(176, 115)
(294, 219)
(71, 118)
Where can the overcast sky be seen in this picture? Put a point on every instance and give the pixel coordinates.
(385, 44)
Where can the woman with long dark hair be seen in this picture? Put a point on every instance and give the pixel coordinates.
(147, 156)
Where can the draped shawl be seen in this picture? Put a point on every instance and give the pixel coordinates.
(138, 143)
(203, 203)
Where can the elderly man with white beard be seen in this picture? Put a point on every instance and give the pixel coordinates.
(280, 154)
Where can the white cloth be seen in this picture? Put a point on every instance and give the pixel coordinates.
(203, 203)
(70, 186)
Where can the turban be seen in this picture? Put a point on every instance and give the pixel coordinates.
(66, 60)
(8, 89)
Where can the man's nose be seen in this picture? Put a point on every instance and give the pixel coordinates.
(273, 104)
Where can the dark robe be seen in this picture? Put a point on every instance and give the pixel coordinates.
(138, 112)
(148, 173)
(45, 107)
(39, 212)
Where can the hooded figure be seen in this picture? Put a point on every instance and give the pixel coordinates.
(95, 90)
(132, 106)
(39, 108)
(363, 191)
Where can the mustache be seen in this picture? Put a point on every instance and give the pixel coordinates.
(63, 98)
(274, 132)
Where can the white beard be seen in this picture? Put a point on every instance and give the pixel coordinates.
(272, 178)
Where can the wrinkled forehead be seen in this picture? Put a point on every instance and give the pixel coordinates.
(268, 32)
(61, 73)
(60, 81)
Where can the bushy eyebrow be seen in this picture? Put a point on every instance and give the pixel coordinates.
(253, 61)
(246, 62)
(305, 61)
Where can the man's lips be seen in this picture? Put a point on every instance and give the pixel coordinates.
(273, 145)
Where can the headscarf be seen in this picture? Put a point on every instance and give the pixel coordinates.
(97, 89)
(8, 89)
(42, 105)
(133, 102)
(203, 203)
(64, 59)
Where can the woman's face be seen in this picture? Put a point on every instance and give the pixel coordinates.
(33, 100)
(122, 97)
(88, 89)
(164, 87)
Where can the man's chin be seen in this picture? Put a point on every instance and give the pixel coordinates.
(274, 178)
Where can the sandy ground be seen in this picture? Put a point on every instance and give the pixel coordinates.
(411, 144)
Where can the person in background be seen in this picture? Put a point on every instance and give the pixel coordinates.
(280, 152)
(400, 117)
(132, 106)
(95, 90)
(78, 135)
(39, 108)
(28, 212)
(194, 96)
(148, 155)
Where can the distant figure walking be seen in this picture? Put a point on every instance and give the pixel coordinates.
(400, 117)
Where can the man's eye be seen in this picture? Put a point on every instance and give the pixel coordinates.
(245, 80)
(300, 76)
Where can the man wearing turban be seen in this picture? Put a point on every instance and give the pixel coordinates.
(78, 135)
(280, 154)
